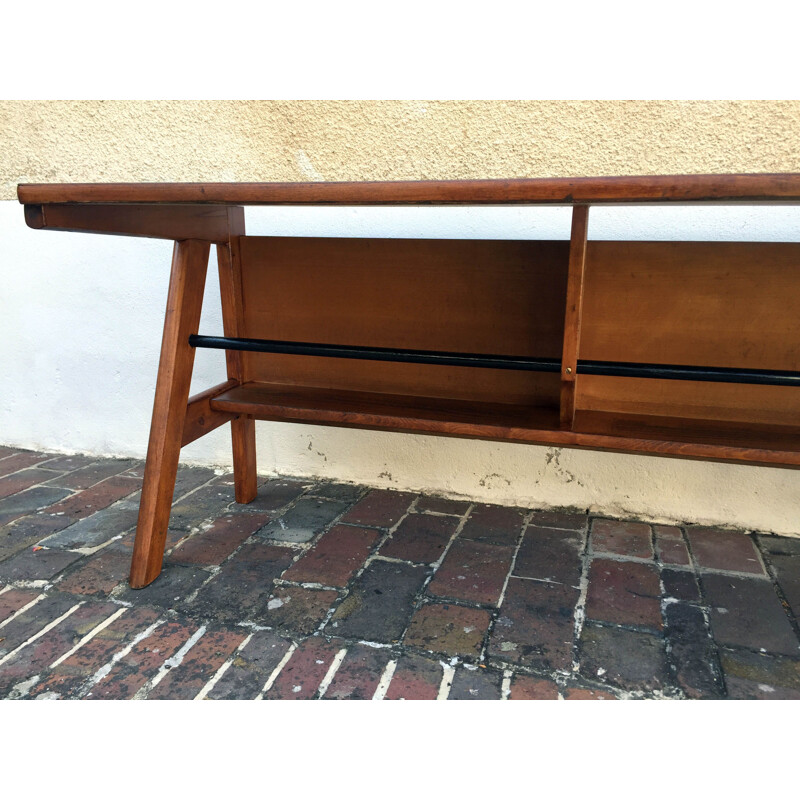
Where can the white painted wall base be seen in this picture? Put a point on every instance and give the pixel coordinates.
(80, 330)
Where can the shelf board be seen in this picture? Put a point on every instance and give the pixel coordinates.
(768, 445)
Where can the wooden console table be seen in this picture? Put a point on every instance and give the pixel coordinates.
(688, 349)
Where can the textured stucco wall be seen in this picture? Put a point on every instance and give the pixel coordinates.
(80, 315)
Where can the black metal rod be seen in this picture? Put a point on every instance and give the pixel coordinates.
(379, 353)
(675, 372)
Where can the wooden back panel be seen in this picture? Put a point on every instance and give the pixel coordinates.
(493, 297)
(720, 304)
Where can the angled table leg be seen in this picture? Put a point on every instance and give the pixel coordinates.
(184, 302)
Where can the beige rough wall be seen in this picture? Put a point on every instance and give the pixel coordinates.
(55, 141)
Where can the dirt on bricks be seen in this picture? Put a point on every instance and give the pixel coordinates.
(321, 590)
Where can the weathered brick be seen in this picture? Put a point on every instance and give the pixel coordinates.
(787, 571)
(473, 571)
(214, 545)
(526, 687)
(38, 655)
(335, 558)
(24, 479)
(184, 681)
(477, 684)
(681, 585)
(68, 463)
(303, 521)
(714, 548)
(8, 451)
(206, 503)
(415, 678)
(296, 609)
(561, 520)
(346, 492)
(188, 479)
(20, 460)
(536, 625)
(130, 673)
(670, 545)
(623, 658)
(38, 565)
(751, 676)
(421, 538)
(97, 497)
(21, 628)
(493, 524)
(624, 592)
(303, 672)
(379, 509)
(13, 600)
(241, 590)
(97, 575)
(550, 554)
(442, 505)
(621, 538)
(87, 476)
(746, 612)
(98, 528)
(694, 654)
(28, 502)
(447, 628)
(171, 587)
(273, 495)
(251, 667)
(359, 674)
(380, 602)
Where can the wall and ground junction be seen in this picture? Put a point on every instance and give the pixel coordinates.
(81, 315)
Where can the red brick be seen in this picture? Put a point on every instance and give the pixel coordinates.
(36, 565)
(213, 546)
(130, 673)
(526, 687)
(587, 694)
(670, 545)
(561, 520)
(91, 474)
(415, 678)
(493, 524)
(379, 509)
(208, 654)
(447, 628)
(302, 674)
(441, 505)
(98, 574)
(473, 571)
(20, 460)
(335, 558)
(622, 538)
(714, 548)
(359, 674)
(13, 600)
(421, 538)
(548, 554)
(101, 495)
(19, 481)
(626, 593)
(536, 625)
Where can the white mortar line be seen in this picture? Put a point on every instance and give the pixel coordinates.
(505, 689)
(386, 679)
(23, 609)
(89, 636)
(5, 589)
(447, 682)
(332, 669)
(169, 664)
(107, 667)
(274, 674)
(202, 694)
(41, 633)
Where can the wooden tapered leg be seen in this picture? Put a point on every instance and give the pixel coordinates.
(243, 428)
(185, 299)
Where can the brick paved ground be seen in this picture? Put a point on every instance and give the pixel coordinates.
(328, 590)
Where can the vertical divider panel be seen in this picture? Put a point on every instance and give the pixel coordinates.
(574, 310)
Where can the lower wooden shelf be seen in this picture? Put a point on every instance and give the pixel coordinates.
(768, 445)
